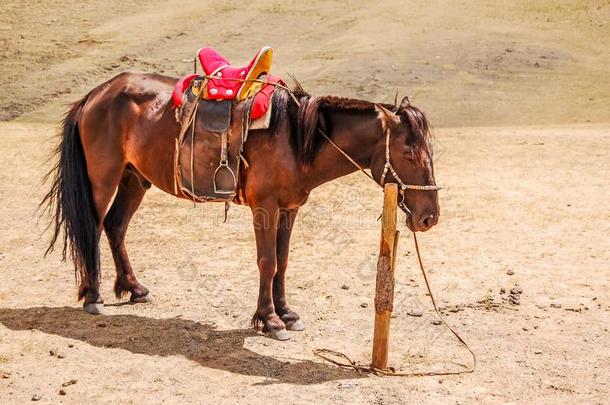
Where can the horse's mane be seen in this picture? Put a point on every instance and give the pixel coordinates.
(306, 119)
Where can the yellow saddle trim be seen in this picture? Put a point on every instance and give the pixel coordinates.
(261, 67)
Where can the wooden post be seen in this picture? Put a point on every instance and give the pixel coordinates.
(384, 291)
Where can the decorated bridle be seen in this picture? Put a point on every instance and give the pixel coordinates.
(387, 168)
(403, 186)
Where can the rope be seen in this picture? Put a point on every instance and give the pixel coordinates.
(360, 368)
(348, 157)
(236, 79)
(348, 363)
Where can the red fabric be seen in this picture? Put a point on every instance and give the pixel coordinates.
(221, 88)
(262, 99)
(179, 89)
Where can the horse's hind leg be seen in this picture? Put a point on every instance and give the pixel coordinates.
(104, 178)
(129, 196)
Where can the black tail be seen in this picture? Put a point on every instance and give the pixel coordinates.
(70, 203)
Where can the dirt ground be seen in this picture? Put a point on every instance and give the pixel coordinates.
(518, 94)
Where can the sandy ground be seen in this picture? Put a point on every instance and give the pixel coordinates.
(529, 200)
(518, 93)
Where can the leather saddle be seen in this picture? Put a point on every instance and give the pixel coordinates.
(215, 111)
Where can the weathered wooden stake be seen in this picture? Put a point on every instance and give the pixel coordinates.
(384, 291)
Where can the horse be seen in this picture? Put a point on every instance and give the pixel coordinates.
(119, 139)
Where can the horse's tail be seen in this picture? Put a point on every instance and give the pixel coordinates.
(70, 202)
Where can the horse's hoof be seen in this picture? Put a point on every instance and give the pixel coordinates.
(295, 326)
(142, 300)
(94, 308)
(281, 334)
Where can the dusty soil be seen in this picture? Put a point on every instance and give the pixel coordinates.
(532, 201)
(524, 208)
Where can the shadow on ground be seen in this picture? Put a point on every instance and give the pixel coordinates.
(202, 343)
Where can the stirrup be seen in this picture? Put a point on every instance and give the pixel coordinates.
(223, 167)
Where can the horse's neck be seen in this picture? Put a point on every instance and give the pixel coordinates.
(356, 135)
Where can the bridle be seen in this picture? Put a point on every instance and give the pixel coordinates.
(403, 186)
(387, 168)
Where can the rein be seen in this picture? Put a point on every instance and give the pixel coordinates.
(388, 164)
(349, 363)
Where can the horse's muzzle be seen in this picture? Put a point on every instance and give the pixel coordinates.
(421, 224)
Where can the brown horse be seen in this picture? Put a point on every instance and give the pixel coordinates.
(119, 139)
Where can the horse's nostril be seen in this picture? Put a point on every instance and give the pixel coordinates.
(429, 221)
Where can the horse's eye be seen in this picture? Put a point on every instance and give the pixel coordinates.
(409, 153)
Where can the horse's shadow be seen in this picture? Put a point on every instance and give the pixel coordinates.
(202, 343)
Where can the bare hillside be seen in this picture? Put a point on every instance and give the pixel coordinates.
(467, 63)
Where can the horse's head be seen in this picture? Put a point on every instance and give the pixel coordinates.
(404, 156)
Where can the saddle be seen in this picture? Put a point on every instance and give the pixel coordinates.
(227, 82)
(216, 111)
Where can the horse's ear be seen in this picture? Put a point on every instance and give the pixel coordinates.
(387, 117)
(405, 102)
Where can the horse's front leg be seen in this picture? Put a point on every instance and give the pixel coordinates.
(290, 318)
(265, 218)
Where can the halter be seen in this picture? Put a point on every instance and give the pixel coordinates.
(403, 186)
(388, 167)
